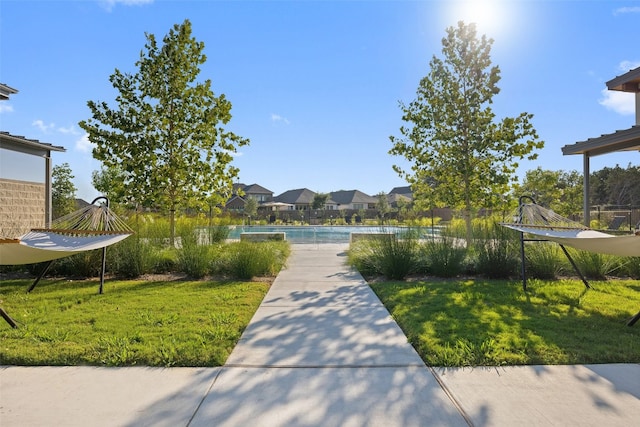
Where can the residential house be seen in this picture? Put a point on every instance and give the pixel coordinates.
(353, 200)
(301, 199)
(404, 195)
(255, 191)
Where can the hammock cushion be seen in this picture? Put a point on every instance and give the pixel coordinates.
(584, 239)
(40, 246)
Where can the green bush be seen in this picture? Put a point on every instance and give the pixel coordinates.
(193, 259)
(497, 252)
(632, 267)
(131, 257)
(444, 257)
(246, 260)
(360, 256)
(394, 257)
(544, 260)
(595, 265)
(216, 234)
(81, 265)
(164, 260)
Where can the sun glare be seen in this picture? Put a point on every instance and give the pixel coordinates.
(490, 16)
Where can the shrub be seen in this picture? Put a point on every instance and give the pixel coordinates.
(632, 267)
(193, 258)
(497, 251)
(444, 257)
(216, 234)
(595, 265)
(394, 257)
(246, 260)
(131, 257)
(164, 260)
(544, 260)
(360, 256)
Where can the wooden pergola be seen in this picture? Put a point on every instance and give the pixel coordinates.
(622, 140)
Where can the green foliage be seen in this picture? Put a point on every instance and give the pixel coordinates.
(193, 258)
(216, 234)
(492, 322)
(166, 134)
(382, 206)
(558, 190)
(251, 207)
(387, 255)
(444, 257)
(544, 260)
(632, 267)
(172, 323)
(131, 257)
(109, 182)
(246, 260)
(616, 186)
(496, 250)
(460, 156)
(319, 200)
(595, 265)
(63, 192)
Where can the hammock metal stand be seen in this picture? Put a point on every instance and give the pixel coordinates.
(522, 251)
(630, 322)
(104, 258)
(80, 223)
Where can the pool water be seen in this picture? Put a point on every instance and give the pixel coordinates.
(325, 233)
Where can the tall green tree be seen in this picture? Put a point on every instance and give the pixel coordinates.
(560, 191)
(166, 133)
(110, 182)
(616, 186)
(382, 206)
(460, 155)
(319, 200)
(63, 192)
(250, 207)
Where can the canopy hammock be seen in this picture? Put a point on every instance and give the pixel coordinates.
(544, 224)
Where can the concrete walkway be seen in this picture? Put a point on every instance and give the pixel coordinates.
(321, 350)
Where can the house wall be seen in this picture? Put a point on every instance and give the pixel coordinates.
(22, 207)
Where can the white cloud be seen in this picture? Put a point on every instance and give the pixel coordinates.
(44, 128)
(623, 10)
(69, 131)
(278, 118)
(628, 65)
(84, 145)
(110, 4)
(6, 108)
(619, 102)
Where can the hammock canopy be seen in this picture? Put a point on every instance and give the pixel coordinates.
(93, 227)
(542, 222)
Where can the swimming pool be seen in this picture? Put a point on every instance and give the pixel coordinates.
(326, 233)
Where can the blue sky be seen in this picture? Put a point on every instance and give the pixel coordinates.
(315, 85)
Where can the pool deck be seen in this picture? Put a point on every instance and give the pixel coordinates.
(321, 350)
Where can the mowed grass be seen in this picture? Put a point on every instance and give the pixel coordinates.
(493, 322)
(163, 323)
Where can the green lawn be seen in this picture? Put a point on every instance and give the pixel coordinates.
(167, 323)
(493, 322)
(197, 323)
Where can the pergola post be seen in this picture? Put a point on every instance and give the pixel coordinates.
(586, 206)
